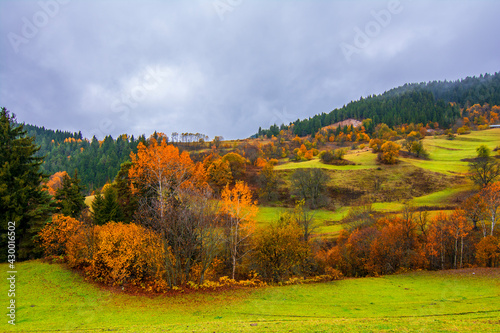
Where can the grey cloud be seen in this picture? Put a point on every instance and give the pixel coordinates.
(265, 61)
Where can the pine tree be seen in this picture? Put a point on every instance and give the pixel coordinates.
(127, 201)
(105, 208)
(71, 201)
(23, 201)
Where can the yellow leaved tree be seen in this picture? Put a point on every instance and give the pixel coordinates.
(240, 210)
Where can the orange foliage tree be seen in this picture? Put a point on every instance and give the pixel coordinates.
(174, 199)
(160, 173)
(459, 228)
(488, 252)
(389, 152)
(239, 208)
(55, 182)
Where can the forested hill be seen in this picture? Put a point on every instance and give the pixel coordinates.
(96, 162)
(410, 103)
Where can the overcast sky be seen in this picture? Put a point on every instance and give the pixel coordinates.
(226, 67)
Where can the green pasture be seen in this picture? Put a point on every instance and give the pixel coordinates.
(446, 155)
(50, 298)
(326, 222)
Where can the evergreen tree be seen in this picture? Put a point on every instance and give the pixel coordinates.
(106, 208)
(127, 201)
(22, 199)
(71, 201)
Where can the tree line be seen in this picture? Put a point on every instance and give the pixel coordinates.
(437, 101)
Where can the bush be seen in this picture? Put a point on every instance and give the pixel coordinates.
(332, 156)
(55, 236)
(126, 253)
(389, 153)
(279, 250)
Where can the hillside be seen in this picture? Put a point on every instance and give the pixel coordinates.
(98, 162)
(410, 103)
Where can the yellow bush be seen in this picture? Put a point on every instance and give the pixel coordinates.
(126, 253)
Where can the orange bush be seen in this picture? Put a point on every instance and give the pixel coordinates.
(55, 235)
(126, 253)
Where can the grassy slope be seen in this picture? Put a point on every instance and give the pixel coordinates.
(52, 298)
(445, 158)
(446, 155)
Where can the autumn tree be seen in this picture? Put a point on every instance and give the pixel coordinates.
(174, 200)
(219, 172)
(488, 252)
(23, 202)
(491, 198)
(237, 165)
(239, 208)
(439, 242)
(475, 212)
(55, 182)
(376, 145)
(389, 152)
(55, 235)
(280, 249)
(268, 181)
(484, 169)
(310, 184)
(304, 218)
(459, 228)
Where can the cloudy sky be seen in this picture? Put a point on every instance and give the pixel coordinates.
(226, 67)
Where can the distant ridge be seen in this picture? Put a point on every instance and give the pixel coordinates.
(436, 101)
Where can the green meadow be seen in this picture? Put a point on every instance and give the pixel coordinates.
(51, 298)
(446, 155)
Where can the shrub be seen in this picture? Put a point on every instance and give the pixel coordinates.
(55, 235)
(389, 153)
(127, 253)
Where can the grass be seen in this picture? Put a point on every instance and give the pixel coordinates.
(446, 155)
(316, 163)
(51, 298)
(443, 197)
(325, 220)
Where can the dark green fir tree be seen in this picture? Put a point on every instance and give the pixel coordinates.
(70, 199)
(24, 206)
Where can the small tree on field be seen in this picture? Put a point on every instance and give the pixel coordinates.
(310, 184)
(389, 153)
(484, 170)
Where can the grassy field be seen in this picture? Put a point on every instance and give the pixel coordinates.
(446, 155)
(326, 221)
(51, 298)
